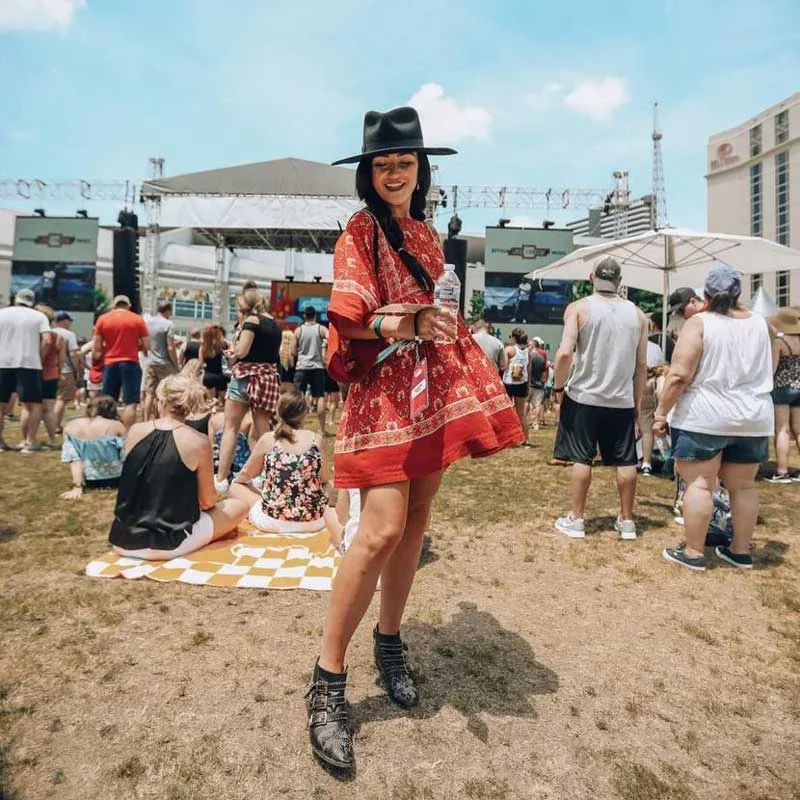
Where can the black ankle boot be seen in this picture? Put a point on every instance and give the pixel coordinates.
(329, 732)
(390, 658)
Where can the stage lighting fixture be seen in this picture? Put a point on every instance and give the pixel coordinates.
(547, 224)
(82, 212)
(454, 226)
(39, 212)
(501, 223)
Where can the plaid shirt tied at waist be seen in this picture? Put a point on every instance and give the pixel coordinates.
(263, 386)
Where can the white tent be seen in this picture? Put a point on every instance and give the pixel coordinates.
(660, 261)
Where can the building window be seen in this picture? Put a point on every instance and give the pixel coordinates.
(782, 198)
(755, 200)
(782, 127)
(192, 309)
(756, 282)
(755, 140)
(783, 288)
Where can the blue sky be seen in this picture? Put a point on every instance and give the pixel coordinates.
(531, 93)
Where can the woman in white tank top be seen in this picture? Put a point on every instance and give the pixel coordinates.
(717, 394)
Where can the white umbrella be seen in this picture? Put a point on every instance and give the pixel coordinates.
(656, 260)
(763, 304)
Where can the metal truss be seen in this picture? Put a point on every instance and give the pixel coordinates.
(120, 191)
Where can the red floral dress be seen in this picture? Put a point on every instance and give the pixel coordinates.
(468, 413)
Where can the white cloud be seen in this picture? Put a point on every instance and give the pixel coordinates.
(37, 15)
(20, 135)
(543, 99)
(598, 98)
(444, 121)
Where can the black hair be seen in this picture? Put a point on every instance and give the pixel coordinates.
(391, 229)
(722, 302)
(309, 312)
(655, 318)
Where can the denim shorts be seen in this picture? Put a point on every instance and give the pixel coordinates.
(691, 446)
(237, 390)
(124, 376)
(786, 396)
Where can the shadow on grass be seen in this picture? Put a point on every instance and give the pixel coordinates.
(769, 554)
(605, 524)
(428, 554)
(471, 664)
(7, 533)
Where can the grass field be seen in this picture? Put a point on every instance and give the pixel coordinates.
(551, 668)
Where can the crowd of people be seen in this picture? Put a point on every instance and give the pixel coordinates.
(224, 435)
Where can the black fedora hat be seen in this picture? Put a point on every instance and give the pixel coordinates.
(395, 131)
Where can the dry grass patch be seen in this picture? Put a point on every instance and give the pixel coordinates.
(550, 669)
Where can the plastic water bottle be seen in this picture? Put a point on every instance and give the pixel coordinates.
(447, 293)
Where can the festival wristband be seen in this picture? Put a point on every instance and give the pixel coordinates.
(376, 325)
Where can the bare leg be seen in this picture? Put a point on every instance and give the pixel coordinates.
(794, 421)
(740, 481)
(399, 571)
(626, 485)
(58, 412)
(383, 520)
(334, 526)
(227, 514)
(49, 418)
(519, 405)
(321, 406)
(3, 408)
(783, 437)
(147, 411)
(262, 422)
(579, 485)
(245, 494)
(701, 480)
(128, 415)
(31, 416)
(234, 414)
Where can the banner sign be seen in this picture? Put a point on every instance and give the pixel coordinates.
(288, 300)
(55, 239)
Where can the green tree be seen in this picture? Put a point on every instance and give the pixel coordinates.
(477, 304)
(647, 301)
(102, 302)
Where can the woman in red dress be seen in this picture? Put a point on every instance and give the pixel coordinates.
(393, 453)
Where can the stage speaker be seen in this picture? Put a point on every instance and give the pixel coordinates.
(455, 253)
(126, 265)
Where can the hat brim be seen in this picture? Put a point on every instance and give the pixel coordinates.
(603, 285)
(784, 328)
(430, 151)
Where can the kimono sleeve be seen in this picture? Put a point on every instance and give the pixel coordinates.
(354, 298)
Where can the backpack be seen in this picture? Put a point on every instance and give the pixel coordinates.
(518, 366)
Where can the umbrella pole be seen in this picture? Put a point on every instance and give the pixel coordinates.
(665, 298)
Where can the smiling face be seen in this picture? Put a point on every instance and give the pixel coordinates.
(394, 177)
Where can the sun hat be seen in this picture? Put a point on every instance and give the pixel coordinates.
(61, 316)
(121, 299)
(395, 131)
(786, 321)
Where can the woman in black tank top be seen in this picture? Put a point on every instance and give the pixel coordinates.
(166, 501)
(214, 378)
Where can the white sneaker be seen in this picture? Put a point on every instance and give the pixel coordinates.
(626, 528)
(571, 527)
(220, 487)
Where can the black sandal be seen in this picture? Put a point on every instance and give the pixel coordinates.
(329, 732)
(390, 658)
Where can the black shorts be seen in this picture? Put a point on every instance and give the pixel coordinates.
(49, 389)
(27, 383)
(582, 428)
(331, 387)
(214, 380)
(517, 389)
(315, 378)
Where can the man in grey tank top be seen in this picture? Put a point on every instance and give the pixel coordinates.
(600, 375)
(312, 338)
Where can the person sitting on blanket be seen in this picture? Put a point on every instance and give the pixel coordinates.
(92, 447)
(241, 453)
(296, 474)
(343, 527)
(166, 506)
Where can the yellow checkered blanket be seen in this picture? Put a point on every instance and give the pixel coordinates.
(250, 560)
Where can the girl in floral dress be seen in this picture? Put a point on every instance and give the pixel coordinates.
(294, 498)
(393, 450)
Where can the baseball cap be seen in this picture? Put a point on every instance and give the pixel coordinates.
(538, 340)
(25, 297)
(607, 275)
(121, 299)
(681, 298)
(63, 315)
(723, 280)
